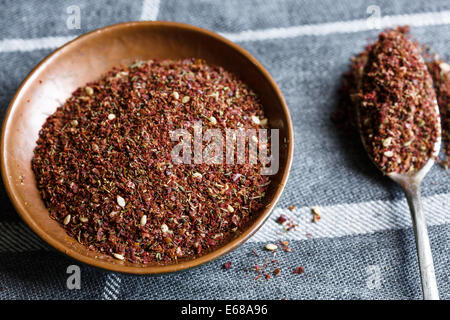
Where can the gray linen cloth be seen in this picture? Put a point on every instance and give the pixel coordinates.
(362, 248)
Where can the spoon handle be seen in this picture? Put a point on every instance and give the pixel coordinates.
(429, 286)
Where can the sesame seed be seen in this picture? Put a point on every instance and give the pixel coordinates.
(121, 201)
(197, 175)
(89, 91)
(213, 120)
(387, 142)
(255, 120)
(118, 256)
(67, 220)
(444, 67)
(144, 220)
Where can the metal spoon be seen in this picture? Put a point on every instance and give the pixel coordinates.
(411, 186)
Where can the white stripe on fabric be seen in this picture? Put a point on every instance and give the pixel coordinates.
(352, 219)
(23, 45)
(111, 290)
(336, 221)
(414, 20)
(150, 9)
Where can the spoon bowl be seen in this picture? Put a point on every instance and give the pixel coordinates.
(410, 182)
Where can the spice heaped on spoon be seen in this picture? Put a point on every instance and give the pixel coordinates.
(398, 118)
(399, 123)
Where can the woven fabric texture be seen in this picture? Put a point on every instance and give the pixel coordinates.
(362, 248)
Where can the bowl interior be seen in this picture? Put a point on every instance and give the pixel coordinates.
(86, 59)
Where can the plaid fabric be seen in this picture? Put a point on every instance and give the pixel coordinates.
(362, 248)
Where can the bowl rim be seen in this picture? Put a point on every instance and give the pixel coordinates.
(26, 213)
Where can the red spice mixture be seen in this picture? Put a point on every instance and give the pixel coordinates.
(104, 169)
(397, 112)
(440, 71)
(395, 76)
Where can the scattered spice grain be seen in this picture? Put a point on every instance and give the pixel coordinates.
(281, 219)
(316, 214)
(299, 270)
(285, 246)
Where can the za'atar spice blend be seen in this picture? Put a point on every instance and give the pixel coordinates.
(104, 170)
(440, 71)
(391, 88)
(397, 110)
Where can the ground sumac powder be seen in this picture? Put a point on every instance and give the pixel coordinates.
(104, 170)
(440, 71)
(391, 88)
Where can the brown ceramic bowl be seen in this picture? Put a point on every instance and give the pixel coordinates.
(85, 59)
